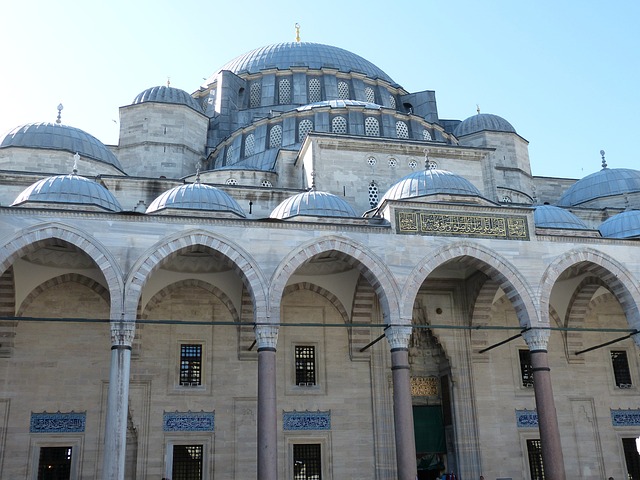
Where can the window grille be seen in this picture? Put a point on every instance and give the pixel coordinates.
(370, 94)
(314, 90)
(249, 145)
(371, 127)
(339, 125)
(506, 199)
(304, 128)
(54, 463)
(402, 131)
(526, 370)
(412, 164)
(265, 183)
(229, 155)
(621, 371)
(392, 101)
(632, 458)
(534, 451)
(284, 91)
(255, 95)
(190, 365)
(305, 365)
(275, 136)
(426, 135)
(231, 181)
(371, 161)
(432, 165)
(343, 90)
(393, 162)
(307, 463)
(373, 194)
(187, 462)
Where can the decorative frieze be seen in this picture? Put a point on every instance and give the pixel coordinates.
(188, 422)
(462, 225)
(526, 418)
(625, 418)
(57, 422)
(306, 420)
(424, 386)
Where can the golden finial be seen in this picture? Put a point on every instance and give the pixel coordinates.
(478, 108)
(59, 119)
(298, 32)
(168, 81)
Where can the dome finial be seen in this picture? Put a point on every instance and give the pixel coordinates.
(76, 157)
(478, 108)
(297, 32)
(604, 162)
(59, 119)
(426, 159)
(313, 182)
(198, 174)
(168, 81)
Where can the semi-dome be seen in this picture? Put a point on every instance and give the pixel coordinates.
(605, 183)
(550, 216)
(196, 196)
(430, 182)
(56, 136)
(68, 190)
(165, 94)
(284, 56)
(313, 203)
(622, 225)
(481, 122)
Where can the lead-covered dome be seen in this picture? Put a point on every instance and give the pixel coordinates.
(605, 183)
(56, 136)
(165, 94)
(482, 122)
(198, 197)
(550, 216)
(430, 182)
(315, 204)
(70, 190)
(622, 225)
(284, 56)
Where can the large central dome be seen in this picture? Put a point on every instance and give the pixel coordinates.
(283, 56)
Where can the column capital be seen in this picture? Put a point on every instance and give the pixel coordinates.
(266, 336)
(398, 336)
(122, 332)
(537, 338)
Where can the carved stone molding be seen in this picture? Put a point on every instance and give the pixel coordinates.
(537, 338)
(398, 336)
(266, 336)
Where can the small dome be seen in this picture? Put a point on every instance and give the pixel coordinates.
(69, 190)
(314, 204)
(56, 136)
(164, 94)
(483, 121)
(606, 182)
(430, 182)
(549, 216)
(284, 56)
(196, 196)
(622, 225)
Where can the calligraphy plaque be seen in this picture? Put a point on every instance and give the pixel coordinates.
(306, 420)
(424, 386)
(527, 419)
(188, 422)
(462, 225)
(57, 422)
(625, 418)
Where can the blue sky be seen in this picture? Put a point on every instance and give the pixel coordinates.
(565, 74)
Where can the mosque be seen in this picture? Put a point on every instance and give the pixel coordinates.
(302, 271)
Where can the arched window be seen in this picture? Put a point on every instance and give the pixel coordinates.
(284, 91)
(249, 145)
(339, 125)
(314, 90)
(265, 183)
(392, 102)
(255, 95)
(231, 181)
(343, 90)
(275, 136)
(371, 127)
(229, 155)
(432, 165)
(373, 194)
(401, 130)
(426, 135)
(304, 128)
(369, 94)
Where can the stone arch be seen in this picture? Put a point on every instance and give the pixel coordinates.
(326, 294)
(30, 239)
(617, 279)
(510, 280)
(480, 317)
(243, 265)
(356, 255)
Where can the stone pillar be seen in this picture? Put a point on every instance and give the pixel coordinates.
(552, 458)
(115, 437)
(398, 338)
(266, 339)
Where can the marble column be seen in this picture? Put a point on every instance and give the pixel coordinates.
(398, 338)
(537, 339)
(266, 339)
(115, 437)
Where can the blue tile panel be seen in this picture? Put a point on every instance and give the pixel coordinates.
(188, 422)
(306, 420)
(625, 418)
(527, 419)
(57, 422)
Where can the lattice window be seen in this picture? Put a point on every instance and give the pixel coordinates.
(412, 164)
(304, 128)
(187, 462)
(265, 183)
(339, 125)
(393, 162)
(373, 194)
(534, 452)
(255, 95)
(55, 463)
(229, 155)
(315, 91)
(275, 136)
(526, 370)
(506, 199)
(370, 94)
(392, 102)
(426, 135)
(371, 127)
(621, 371)
(249, 145)
(631, 457)
(305, 365)
(402, 131)
(284, 91)
(231, 181)
(190, 365)
(307, 462)
(432, 165)
(343, 90)
(371, 161)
